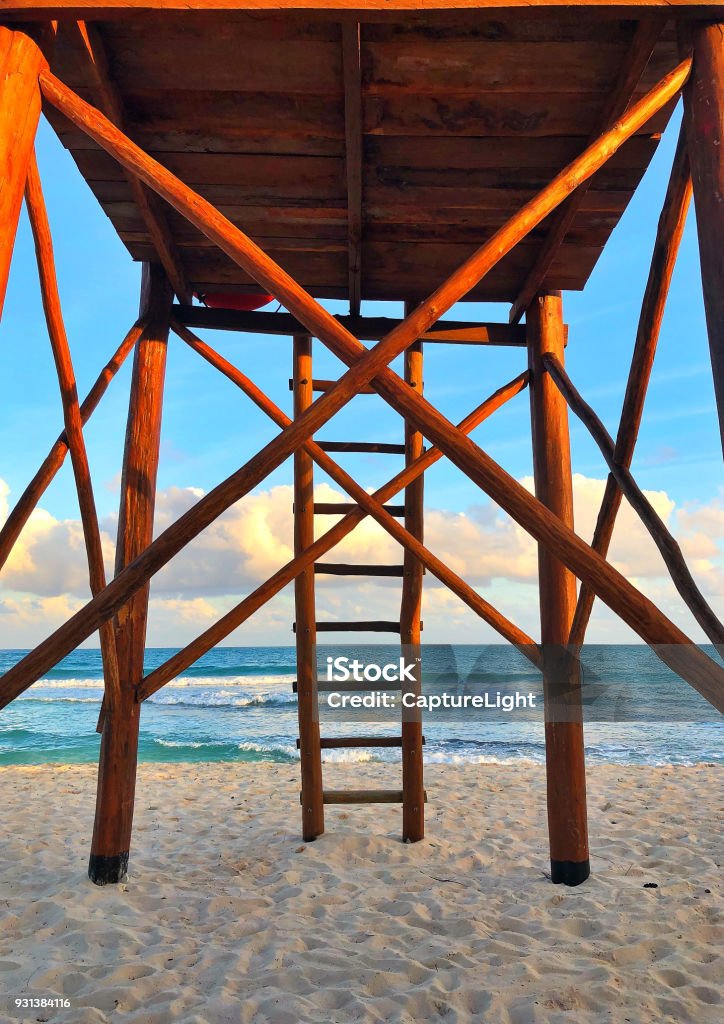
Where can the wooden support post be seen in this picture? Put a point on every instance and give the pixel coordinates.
(119, 743)
(306, 636)
(704, 115)
(566, 775)
(20, 63)
(413, 802)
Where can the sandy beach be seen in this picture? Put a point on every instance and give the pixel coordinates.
(226, 916)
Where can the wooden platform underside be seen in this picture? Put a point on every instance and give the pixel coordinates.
(462, 120)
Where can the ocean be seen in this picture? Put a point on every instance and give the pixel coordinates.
(238, 704)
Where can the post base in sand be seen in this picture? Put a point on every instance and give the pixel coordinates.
(570, 872)
(104, 870)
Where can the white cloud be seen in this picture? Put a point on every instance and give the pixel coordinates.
(46, 577)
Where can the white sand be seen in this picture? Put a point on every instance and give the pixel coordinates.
(226, 916)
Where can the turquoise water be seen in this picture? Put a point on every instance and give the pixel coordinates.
(237, 704)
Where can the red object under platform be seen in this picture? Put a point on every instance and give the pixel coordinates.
(232, 300)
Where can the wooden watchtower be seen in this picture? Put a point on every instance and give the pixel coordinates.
(422, 152)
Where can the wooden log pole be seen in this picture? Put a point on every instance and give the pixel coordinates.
(20, 63)
(13, 525)
(40, 227)
(310, 751)
(704, 117)
(119, 742)
(666, 248)
(565, 760)
(413, 788)
(659, 532)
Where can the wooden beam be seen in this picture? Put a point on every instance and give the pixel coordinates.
(644, 41)
(119, 742)
(660, 534)
(147, 202)
(40, 227)
(352, 74)
(305, 608)
(20, 63)
(55, 458)
(565, 757)
(371, 328)
(634, 608)
(666, 247)
(704, 118)
(108, 9)
(413, 805)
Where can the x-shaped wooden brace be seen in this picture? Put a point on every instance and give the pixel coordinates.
(670, 643)
(369, 504)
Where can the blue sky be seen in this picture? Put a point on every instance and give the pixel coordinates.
(209, 427)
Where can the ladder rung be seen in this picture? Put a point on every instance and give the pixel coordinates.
(371, 626)
(343, 742)
(338, 508)
(339, 569)
(364, 796)
(362, 446)
(367, 626)
(325, 385)
(325, 686)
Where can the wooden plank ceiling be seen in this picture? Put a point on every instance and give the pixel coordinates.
(461, 122)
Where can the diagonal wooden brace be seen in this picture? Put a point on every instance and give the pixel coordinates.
(660, 534)
(669, 233)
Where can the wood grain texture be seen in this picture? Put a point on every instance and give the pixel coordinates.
(20, 64)
(704, 116)
(666, 247)
(363, 328)
(565, 755)
(444, 109)
(119, 741)
(305, 607)
(413, 804)
(102, 9)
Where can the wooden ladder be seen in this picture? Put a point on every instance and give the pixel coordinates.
(313, 795)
